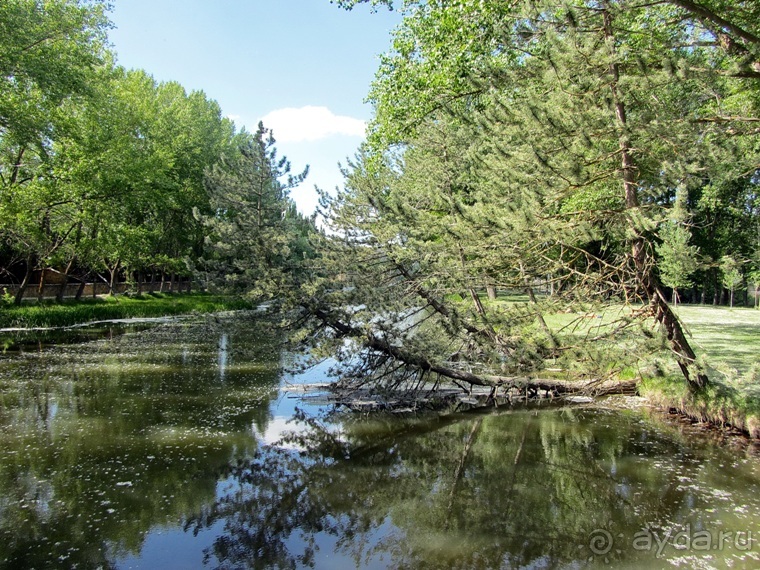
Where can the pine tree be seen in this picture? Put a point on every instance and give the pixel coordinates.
(731, 273)
(677, 257)
(254, 225)
(524, 144)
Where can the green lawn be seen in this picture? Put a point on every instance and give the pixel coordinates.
(727, 337)
(52, 314)
(726, 340)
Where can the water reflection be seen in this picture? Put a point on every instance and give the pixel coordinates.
(103, 442)
(222, 360)
(520, 489)
(185, 446)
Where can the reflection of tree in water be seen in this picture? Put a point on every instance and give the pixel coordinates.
(101, 442)
(474, 492)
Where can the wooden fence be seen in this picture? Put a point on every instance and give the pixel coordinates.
(52, 290)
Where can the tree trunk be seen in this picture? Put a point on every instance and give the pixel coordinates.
(473, 294)
(704, 13)
(477, 302)
(643, 259)
(491, 292)
(718, 290)
(17, 166)
(41, 286)
(80, 291)
(25, 282)
(112, 280)
(69, 267)
(422, 363)
(62, 289)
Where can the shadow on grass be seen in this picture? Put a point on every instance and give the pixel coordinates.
(735, 345)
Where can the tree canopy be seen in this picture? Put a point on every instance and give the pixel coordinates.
(540, 146)
(256, 241)
(591, 157)
(104, 171)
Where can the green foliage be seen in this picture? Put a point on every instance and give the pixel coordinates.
(754, 278)
(101, 168)
(256, 241)
(724, 224)
(107, 171)
(538, 146)
(6, 299)
(678, 259)
(731, 274)
(48, 50)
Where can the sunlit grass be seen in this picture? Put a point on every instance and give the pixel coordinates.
(68, 313)
(726, 341)
(727, 337)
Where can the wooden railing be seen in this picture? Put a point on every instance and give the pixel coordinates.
(75, 289)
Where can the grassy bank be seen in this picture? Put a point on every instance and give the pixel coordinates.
(68, 313)
(728, 342)
(720, 404)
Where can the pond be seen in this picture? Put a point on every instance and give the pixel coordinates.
(188, 444)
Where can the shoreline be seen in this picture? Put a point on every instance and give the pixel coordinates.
(706, 414)
(719, 407)
(49, 316)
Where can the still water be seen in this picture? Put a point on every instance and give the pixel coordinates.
(188, 445)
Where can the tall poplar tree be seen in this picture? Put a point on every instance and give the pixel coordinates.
(49, 51)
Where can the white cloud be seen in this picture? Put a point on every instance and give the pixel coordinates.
(311, 124)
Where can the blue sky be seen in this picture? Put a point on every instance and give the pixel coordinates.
(303, 66)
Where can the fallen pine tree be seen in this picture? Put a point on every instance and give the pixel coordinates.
(392, 377)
